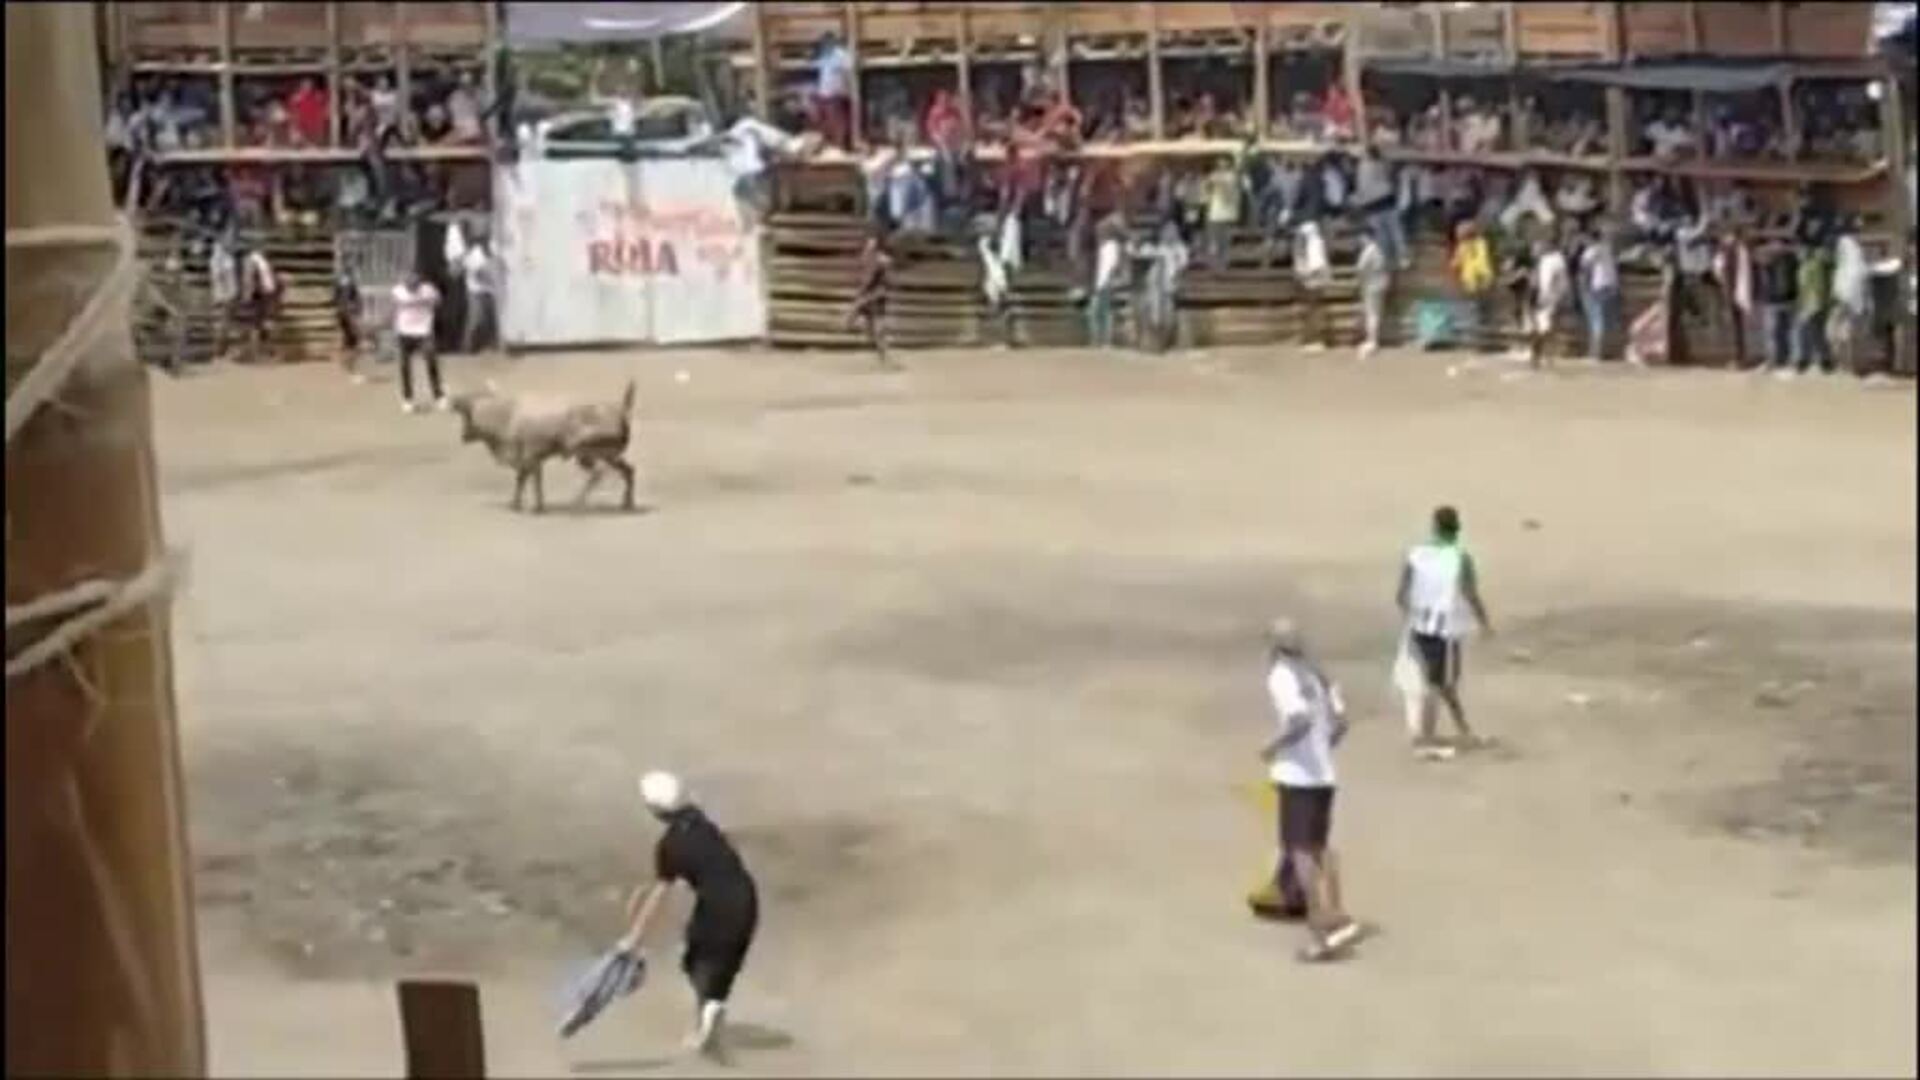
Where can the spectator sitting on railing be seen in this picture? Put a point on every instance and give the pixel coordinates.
(832, 93)
(464, 113)
(1137, 119)
(1427, 130)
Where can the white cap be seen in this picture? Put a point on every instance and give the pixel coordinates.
(662, 792)
(1284, 634)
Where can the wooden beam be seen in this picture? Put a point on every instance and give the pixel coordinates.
(440, 1022)
(856, 94)
(1053, 46)
(1697, 100)
(762, 66)
(223, 16)
(1522, 129)
(1156, 79)
(1262, 76)
(335, 104)
(1439, 47)
(1618, 117)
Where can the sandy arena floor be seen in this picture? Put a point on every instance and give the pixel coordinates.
(969, 658)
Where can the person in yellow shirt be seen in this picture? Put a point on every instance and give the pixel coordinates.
(1473, 268)
(1223, 210)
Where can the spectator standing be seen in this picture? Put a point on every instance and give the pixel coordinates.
(1852, 297)
(1552, 285)
(308, 111)
(1223, 211)
(346, 315)
(1474, 271)
(1779, 291)
(1313, 270)
(1159, 307)
(259, 301)
(452, 282)
(1733, 275)
(483, 311)
(1376, 280)
(415, 303)
(1813, 303)
(1108, 270)
(223, 287)
(1379, 199)
(1600, 292)
(833, 90)
(995, 277)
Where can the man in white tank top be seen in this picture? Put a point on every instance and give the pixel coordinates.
(1312, 720)
(1438, 587)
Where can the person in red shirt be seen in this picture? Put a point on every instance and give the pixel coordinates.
(308, 110)
(1338, 113)
(946, 125)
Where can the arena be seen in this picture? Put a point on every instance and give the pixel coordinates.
(968, 658)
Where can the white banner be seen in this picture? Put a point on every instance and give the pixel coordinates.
(601, 252)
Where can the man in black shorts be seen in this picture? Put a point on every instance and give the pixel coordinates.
(726, 906)
(1439, 587)
(869, 309)
(1312, 720)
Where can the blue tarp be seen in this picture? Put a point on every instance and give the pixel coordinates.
(613, 976)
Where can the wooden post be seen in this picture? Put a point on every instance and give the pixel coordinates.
(490, 70)
(403, 61)
(1698, 100)
(657, 62)
(1522, 129)
(1262, 75)
(1900, 210)
(856, 93)
(441, 1024)
(1156, 79)
(223, 17)
(963, 36)
(1618, 115)
(1439, 47)
(762, 65)
(335, 106)
(1352, 60)
(1789, 116)
(1053, 40)
(101, 964)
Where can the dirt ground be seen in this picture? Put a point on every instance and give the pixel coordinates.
(969, 660)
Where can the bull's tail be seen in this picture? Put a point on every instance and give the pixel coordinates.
(626, 400)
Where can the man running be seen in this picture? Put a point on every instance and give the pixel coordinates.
(726, 906)
(1437, 582)
(1312, 721)
(869, 309)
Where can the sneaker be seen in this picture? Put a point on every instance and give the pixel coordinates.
(442, 403)
(1367, 349)
(1434, 753)
(408, 407)
(1342, 936)
(1786, 374)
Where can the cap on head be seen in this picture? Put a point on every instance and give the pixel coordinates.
(1446, 523)
(1284, 634)
(662, 792)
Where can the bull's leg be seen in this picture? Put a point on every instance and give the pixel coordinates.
(519, 486)
(626, 472)
(539, 470)
(593, 480)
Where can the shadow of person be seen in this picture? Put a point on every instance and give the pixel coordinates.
(735, 1037)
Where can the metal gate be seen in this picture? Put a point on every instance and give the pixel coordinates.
(379, 260)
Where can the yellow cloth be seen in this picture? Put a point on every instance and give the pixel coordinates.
(1473, 264)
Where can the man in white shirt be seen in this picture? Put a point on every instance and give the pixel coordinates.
(1311, 721)
(1438, 586)
(478, 270)
(415, 303)
(1552, 285)
(1109, 262)
(1600, 292)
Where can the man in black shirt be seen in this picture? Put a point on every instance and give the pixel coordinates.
(1779, 293)
(726, 905)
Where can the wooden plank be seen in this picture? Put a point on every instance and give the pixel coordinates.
(1156, 78)
(403, 45)
(1262, 80)
(856, 93)
(440, 1021)
(762, 69)
(227, 124)
(335, 110)
(963, 32)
